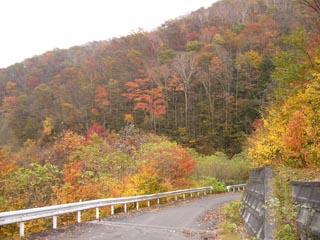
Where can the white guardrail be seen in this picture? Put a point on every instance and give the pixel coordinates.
(234, 188)
(21, 216)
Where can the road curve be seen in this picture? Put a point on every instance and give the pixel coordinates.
(179, 221)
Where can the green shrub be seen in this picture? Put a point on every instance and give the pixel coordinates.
(204, 181)
(218, 166)
(232, 212)
(230, 228)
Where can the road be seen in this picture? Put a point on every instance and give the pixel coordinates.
(179, 221)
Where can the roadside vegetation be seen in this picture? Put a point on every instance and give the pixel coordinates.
(232, 228)
(77, 168)
(287, 136)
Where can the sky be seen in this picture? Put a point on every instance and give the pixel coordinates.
(32, 27)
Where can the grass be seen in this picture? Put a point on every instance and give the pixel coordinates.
(232, 228)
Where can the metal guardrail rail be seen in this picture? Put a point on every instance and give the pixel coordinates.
(21, 216)
(238, 187)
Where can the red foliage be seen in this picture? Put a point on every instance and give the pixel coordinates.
(257, 123)
(95, 111)
(259, 34)
(192, 36)
(146, 97)
(95, 129)
(101, 98)
(32, 82)
(296, 140)
(207, 34)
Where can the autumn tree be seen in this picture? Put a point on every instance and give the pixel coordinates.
(147, 97)
(288, 135)
(101, 103)
(293, 66)
(170, 161)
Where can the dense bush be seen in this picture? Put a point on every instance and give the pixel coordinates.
(218, 166)
(204, 181)
(74, 168)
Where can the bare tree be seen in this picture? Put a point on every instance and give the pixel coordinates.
(314, 4)
(185, 66)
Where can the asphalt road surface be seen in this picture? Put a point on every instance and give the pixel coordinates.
(178, 221)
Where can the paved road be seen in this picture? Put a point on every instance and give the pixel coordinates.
(180, 221)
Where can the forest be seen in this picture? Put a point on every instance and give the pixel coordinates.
(201, 79)
(225, 86)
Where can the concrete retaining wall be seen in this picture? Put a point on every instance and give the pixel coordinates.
(307, 197)
(258, 219)
(257, 206)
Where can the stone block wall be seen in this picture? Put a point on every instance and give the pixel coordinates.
(258, 219)
(307, 197)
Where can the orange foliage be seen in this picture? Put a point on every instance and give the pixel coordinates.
(169, 161)
(295, 140)
(7, 106)
(146, 97)
(6, 165)
(128, 118)
(63, 147)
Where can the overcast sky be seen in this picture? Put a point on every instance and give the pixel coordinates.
(32, 27)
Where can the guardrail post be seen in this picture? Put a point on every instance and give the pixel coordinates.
(176, 197)
(79, 214)
(137, 205)
(125, 207)
(148, 203)
(158, 201)
(79, 217)
(112, 209)
(97, 213)
(21, 230)
(191, 195)
(198, 194)
(184, 197)
(55, 222)
(234, 188)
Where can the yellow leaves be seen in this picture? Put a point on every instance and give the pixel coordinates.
(263, 148)
(145, 181)
(317, 61)
(47, 126)
(10, 85)
(218, 39)
(254, 58)
(248, 60)
(128, 118)
(291, 131)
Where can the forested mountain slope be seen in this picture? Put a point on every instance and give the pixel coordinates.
(116, 117)
(201, 79)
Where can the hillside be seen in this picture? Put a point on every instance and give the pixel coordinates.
(197, 102)
(201, 79)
